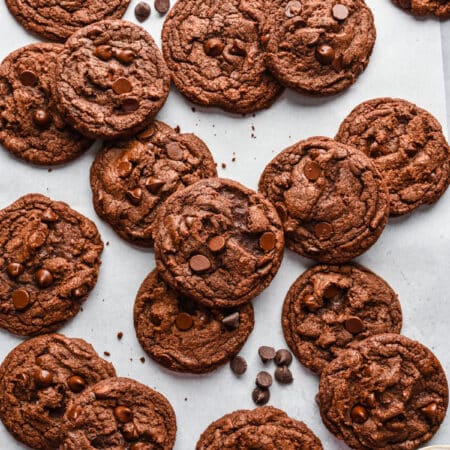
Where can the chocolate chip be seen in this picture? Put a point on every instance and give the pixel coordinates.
(49, 216)
(359, 414)
(430, 411)
(174, 151)
(130, 104)
(266, 353)
(44, 278)
(199, 263)
(103, 52)
(123, 414)
(213, 47)
(184, 321)
(325, 54)
(293, 8)
(142, 11)
(311, 303)
(124, 169)
(134, 196)
(238, 365)
(267, 241)
(15, 269)
(43, 378)
(153, 185)
(41, 118)
(21, 299)
(122, 86)
(231, 321)
(162, 6)
(331, 291)
(264, 380)
(312, 170)
(28, 78)
(283, 357)
(260, 396)
(323, 230)
(216, 244)
(340, 12)
(124, 56)
(354, 325)
(283, 375)
(76, 383)
(78, 292)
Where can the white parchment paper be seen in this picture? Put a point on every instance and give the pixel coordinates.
(413, 254)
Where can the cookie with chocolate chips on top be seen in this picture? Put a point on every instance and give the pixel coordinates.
(111, 79)
(49, 262)
(38, 380)
(130, 179)
(438, 8)
(218, 242)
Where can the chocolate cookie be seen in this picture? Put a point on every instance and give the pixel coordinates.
(318, 47)
(387, 392)
(111, 79)
(130, 179)
(330, 307)
(49, 262)
(31, 128)
(440, 8)
(218, 243)
(262, 428)
(213, 51)
(184, 336)
(39, 378)
(407, 146)
(120, 413)
(332, 200)
(56, 21)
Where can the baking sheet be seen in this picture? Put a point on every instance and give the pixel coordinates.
(413, 254)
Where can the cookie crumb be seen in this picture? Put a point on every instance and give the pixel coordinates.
(107, 243)
(233, 159)
(142, 360)
(107, 353)
(177, 128)
(119, 335)
(193, 109)
(49, 170)
(224, 166)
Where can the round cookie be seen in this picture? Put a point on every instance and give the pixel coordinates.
(329, 307)
(440, 8)
(215, 56)
(218, 242)
(111, 79)
(56, 21)
(49, 262)
(120, 413)
(407, 146)
(386, 392)
(130, 179)
(183, 336)
(31, 127)
(263, 428)
(318, 47)
(39, 378)
(332, 200)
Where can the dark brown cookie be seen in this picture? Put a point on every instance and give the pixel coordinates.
(330, 307)
(387, 392)
(49, 262)
(439, 8)
(39, 378)
(318, 47)
(332, 200)
(218, 243)
(263, 428)
(111, 79)
(213, 51)
(31, 128)
(56, 21)
(183, 336)
(130, 179)
(120, 413)
(408, 148)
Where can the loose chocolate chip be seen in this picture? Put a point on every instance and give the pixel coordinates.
(49, 216)
(184, 321)
(216, 244)
(123, 414)
(293, 8)
(44, 278)
(283, 357)
(323, 230)
(122, 86)
(430, 411)
(199, 263)
(21, 299)
(312, 170)
(153, 185)
(231, 321)
(325, 54)
(103, 52)
(267, 241)
(266, 353)
(43, 378)
(142, 11)
(162, 6)
(28, 78)
(359, 414)
(129, 105)
(260, 396)
(14, 269)
(213, 47)
(283, 375)
(124, 56)
(340, 12)
(174, 151)
(41, 118)
(124, 168)
(354, 325)
(264, 380)
(135, 196)
(331, 291)
(76, 383)
(311, 303)
(238, 365)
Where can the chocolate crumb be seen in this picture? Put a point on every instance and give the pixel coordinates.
(107, 353)
(119, 335)
(193, 109)
(142, 360)
(224, 166)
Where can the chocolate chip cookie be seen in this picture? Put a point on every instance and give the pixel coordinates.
(111, 79)
(218, 242)
(130, 179)
(262, 428)
(39, 378)
(439, 8)
(332, 200)
(31, 127)
(56, 21)
(407, 146)
(183, 336)
(386, 392)
(318, 47)
(120, 413)
(49, 262)
(215, 56)
(330, 307)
